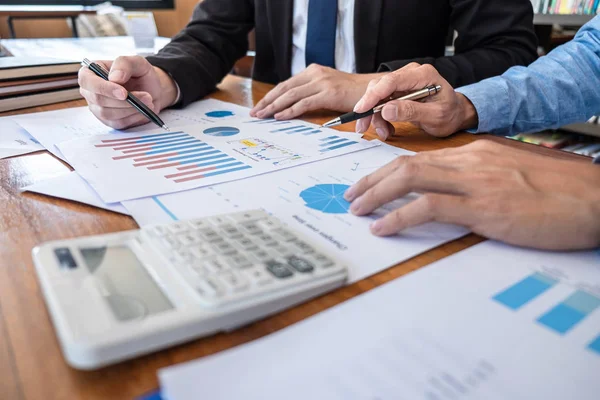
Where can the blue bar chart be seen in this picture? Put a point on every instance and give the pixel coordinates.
(566, 315)
(184, 156)
(288, 128)
(521, 293)
(335, 142)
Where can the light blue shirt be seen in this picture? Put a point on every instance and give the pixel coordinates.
(556, 90)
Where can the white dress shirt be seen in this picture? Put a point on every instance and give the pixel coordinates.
(345, 58)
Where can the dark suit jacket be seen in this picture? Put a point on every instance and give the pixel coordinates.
(493, 35)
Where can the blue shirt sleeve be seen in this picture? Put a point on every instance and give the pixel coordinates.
(558, 89)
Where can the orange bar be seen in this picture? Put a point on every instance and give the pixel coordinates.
(189, 172)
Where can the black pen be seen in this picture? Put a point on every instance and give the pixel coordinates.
(352, 116)
(131, 99)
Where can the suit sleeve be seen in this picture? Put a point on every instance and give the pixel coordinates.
(200, 56)
(493, 35)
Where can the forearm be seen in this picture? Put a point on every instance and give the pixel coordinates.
(556, 90)
(207, 48)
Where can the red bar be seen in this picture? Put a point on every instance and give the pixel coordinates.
(149, 146)
(163, 165)
(128, 156)
(155, 157)
(191, 178)
(187, 167)
(189, 172)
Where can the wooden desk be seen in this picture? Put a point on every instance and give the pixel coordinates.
(31, 364)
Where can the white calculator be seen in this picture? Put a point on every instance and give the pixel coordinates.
(117, 296)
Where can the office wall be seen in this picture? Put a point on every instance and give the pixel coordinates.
(169, 22)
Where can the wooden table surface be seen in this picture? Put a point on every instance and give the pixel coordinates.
(31, 364)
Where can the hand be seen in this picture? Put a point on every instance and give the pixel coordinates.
(441, 115)
(106, 100)
(496, 191)
(315, 88)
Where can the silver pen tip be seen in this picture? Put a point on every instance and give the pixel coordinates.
(333, 122)
(166, 128)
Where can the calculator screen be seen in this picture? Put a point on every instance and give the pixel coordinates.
(127, 287)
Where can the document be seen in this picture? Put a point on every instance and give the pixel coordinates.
(491, 322)
(15, 141)
(53, 127)
(72, 187)
(309, 198)
(130, 166)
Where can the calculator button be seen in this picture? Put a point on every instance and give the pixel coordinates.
(267, 240)
(280, 250)
(303, 246)
(284, 234)
(210, 235)
(322, 261)
(234, 281)
(230, 230)
(214, 265)
(239, 261)
(224, 249)
(300, 264)
(200, 252)
(278, 269)
(170, 242)
(217, 220)
(258, 276)
(261, 255)
(252, 228)
(188, 239)
(198, 270)
(198, 224)
(158, 230)
(177, 227)
(210, 287)
(245, 243)
(268, 223)
(247, 216)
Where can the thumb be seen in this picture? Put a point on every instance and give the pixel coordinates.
(125, 68)
(405, 111)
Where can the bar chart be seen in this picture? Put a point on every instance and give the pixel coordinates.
(183, 156)
(289, 128)
(334, 142)
(559, 318)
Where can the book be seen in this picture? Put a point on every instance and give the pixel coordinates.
(39, 99)
(15, 68)
(33, 86)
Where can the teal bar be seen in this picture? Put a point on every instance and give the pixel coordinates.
(521, 293)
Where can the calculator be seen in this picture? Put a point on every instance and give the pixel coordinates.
(117, 296)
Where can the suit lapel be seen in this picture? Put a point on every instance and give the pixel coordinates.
(280, 21)
(367, 16)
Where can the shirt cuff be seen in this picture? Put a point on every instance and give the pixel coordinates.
(491, 101)
(597, 160)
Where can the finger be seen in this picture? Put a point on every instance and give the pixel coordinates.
(94, 84)
(383, 128)
(427, 208)
(368, 181)
(305, 105)
(103, 101)
(363, 124)
(124, 68)
(298, 80)
(406, 111)
(403, 80)
(411, 177)
(287, 99)
(128, 122)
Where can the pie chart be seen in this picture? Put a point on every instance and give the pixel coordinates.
(219, 114)
(222, 131)
(327, 198)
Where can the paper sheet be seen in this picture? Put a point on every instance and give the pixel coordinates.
(491, 322)
(14, 140)
(309, 198)
(53, 127)
(72, 187)
(130, 166)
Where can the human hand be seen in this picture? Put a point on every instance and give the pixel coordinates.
(106, 100)
(440, 115)
(496, 191)
(315, 88)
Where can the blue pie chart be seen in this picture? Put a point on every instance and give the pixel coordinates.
(327, 198)
(222, 131)
(219, 114)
